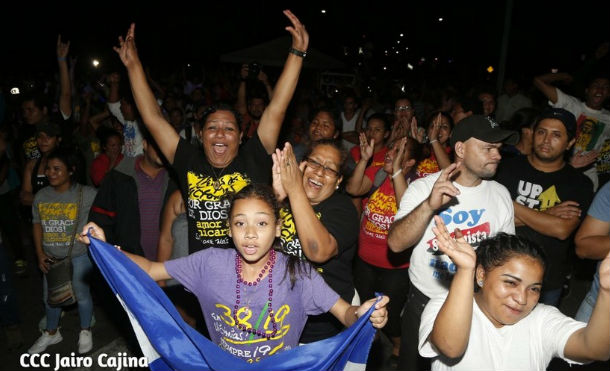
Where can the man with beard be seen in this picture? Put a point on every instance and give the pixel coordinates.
(549, 195)
(463, 197)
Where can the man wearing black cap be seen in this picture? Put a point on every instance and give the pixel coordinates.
(549, 195)
(464, 198)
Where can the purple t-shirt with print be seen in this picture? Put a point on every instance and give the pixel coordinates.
(211, 276)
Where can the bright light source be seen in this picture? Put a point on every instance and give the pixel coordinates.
(397, 41)
(15, 91)
(554, 70)
(188, 64)
(440, 19)
(490, 69)
(402, 89)
(385, 68)
(410, 66)
(323, 11)
(436, 59)
(397, 52)
(422, 59)
(360, 50)
(402, 35)
(95, 63)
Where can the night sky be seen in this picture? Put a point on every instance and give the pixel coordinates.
(543, 35)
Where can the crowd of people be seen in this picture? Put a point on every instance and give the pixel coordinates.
(467, 211)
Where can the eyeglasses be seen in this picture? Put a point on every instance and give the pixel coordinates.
(315, 166)
(402, 108)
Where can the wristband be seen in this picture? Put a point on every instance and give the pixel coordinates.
(298, 52)
(61, 59)
(396, 173)
(433, 140)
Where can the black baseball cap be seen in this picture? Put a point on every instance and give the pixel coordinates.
(482, 128)
(566, 117)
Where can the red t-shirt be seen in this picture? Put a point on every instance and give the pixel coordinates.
(429, 165)
(378, 157)
(100, 166)
(377, 216)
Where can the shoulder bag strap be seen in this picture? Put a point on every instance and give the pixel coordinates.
(78, 207)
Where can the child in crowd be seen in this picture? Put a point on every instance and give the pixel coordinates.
(253, 295)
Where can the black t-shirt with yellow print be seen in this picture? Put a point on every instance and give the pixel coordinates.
(339, 216)
(204, 189)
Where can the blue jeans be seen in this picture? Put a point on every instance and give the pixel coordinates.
(80, 277)
(586, 307)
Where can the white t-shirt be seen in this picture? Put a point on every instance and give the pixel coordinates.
(132, 137)
(593, 131)
(480, 213)
(530, 344)
(349, 125)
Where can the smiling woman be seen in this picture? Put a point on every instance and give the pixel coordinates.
(224, 169)
(320, 224)
(500, 325)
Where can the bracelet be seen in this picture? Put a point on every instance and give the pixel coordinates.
(298, 52)
(396, 173)
(433, 141)
(61, 59)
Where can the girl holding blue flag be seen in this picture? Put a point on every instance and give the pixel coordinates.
(255, 300)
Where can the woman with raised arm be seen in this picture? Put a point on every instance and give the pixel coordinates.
(376, 267)
(491, 318)
(225, 168)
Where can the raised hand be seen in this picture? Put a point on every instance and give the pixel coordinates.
(290, 172)
(398, 157)
(443, 190)
(458, 250)
(366, 148)
(434, 128)
(580, 159)
(62, 49)
(300, 37)
(276, 174)
(565, 210)
(262, 77)
(127, 47)
(399, 129)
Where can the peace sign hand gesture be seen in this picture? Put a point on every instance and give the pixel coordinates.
(443, 190)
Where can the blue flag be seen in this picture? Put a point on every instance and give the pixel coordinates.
(171, 344)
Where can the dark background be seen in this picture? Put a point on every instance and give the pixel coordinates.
(543, 34)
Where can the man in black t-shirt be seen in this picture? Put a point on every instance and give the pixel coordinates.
(548, 195)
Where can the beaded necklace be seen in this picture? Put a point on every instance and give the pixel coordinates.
(238, 271)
